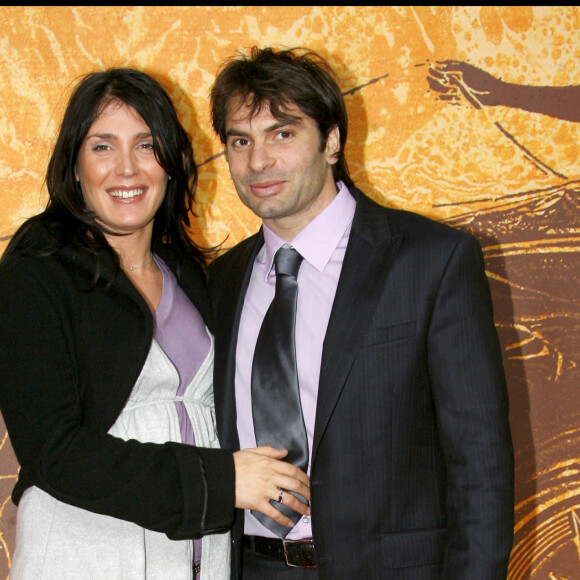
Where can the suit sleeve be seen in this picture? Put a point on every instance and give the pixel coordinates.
(466, 370)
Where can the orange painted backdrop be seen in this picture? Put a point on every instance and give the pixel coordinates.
(509, 175)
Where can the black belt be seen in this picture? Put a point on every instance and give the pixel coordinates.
(297, 553)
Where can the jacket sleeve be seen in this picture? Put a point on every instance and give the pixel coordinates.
(466, 369)
(173, 488)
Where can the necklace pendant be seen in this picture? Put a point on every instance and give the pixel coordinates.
(131, 268)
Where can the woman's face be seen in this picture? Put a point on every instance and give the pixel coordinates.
(120, 177)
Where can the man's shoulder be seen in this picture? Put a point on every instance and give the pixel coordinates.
(232, 255)
(405, 222)
(429, 225)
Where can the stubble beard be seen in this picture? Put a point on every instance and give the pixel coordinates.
(267, 208)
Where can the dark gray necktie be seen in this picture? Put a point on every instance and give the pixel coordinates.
(276, 407)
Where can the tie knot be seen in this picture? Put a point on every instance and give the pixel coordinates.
(287, 261)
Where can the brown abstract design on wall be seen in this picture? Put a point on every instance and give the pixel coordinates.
(467, 114)
(531, 243)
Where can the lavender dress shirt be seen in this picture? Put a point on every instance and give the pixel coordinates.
(322, 243)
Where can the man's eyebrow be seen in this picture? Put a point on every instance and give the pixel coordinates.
(232, 131)
(285, 122)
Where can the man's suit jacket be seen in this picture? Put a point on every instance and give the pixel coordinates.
(412, 461)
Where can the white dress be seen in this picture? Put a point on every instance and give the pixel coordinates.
(57, 541)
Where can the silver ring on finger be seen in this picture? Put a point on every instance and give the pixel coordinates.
(280, 497)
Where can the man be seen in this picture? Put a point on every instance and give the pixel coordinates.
(400, 372)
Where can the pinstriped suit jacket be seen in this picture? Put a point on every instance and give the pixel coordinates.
(412, 468)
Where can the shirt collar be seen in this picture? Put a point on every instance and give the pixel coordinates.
(319, 239)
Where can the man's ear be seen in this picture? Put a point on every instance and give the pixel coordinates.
(333, 145)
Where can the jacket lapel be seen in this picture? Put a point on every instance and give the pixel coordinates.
(370, 249)
(227, 324)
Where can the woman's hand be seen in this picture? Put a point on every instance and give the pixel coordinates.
(260, 475)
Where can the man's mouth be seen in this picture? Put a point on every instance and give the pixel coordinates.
(265, 188)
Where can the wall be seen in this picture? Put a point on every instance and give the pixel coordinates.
(422, 137)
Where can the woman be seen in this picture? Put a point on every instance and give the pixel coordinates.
(107, 355)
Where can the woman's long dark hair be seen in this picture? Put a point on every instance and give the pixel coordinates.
(66, 210)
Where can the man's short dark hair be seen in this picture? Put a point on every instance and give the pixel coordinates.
(279, 79)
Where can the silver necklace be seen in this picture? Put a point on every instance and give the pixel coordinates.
(140, 265)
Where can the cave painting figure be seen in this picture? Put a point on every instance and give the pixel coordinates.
(480, 88)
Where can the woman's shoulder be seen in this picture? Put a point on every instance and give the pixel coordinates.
(28, 276)
(38, 255)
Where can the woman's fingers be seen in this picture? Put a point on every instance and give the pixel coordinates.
(269, 451)
(259, 477)
(296, 484)
(293, 502)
